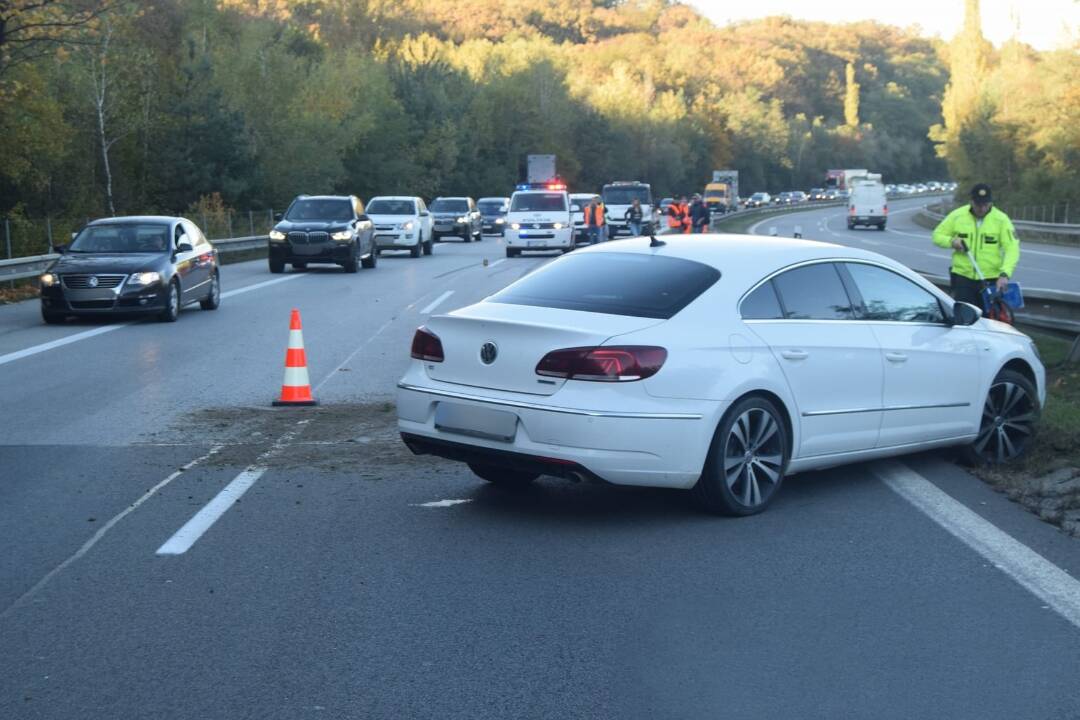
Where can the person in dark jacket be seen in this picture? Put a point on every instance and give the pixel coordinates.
(699, 215)
(633, 217)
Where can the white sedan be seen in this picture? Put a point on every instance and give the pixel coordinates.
(716, 363)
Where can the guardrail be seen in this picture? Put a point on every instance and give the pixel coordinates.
(1031, 226)
(29, 267)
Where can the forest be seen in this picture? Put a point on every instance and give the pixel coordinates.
(172, 106)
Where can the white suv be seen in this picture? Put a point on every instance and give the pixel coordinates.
(401, 223)
(539, 220)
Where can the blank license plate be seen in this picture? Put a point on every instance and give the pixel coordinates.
(476, 421)
(535, 243)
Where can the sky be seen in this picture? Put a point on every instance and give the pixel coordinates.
(1045, 24)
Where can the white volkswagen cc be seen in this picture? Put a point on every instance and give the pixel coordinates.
(714, 363)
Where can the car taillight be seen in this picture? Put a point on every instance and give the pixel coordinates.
(427, 346)
(851, 210)
(885, 209)
(603, 364)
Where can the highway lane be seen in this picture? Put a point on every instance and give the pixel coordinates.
(331, 589)
(1053, 267)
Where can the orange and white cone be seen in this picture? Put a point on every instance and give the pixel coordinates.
(295, 388)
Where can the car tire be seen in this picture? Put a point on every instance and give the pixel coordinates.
(213, 298)
(1010, 411)
(428, 248)
(567, 249)
(371, 260)
(416, 250)
(299, 266)
(747, 459)
(511, 252)
(172, 304)
(881, 227)
(503, 477)
(351, 265)
(436, 238)
(277, 266)
(52, 318)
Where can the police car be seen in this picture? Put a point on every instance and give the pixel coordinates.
(539, 219)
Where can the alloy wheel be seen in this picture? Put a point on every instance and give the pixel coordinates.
(753, 457)
(1008, 419)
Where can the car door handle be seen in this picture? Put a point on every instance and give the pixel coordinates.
(896, 357)
(794, 354)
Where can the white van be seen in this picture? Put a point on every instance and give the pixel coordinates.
(867, 205)
(539, 220)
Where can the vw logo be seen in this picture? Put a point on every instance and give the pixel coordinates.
(488, 352)
(92, 281)
(536, 226)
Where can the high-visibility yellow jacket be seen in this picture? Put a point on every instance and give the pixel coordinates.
(993, 243)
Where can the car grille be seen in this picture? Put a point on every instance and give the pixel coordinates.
(308, 238)
(385, 228)
(92, 304)
(82, 282)
(538, 226)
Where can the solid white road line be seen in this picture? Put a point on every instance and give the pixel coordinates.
(193, 529)
(52, 345)
(441, 503)
(182, 540)
(437, 302)
(87, 334)
(1042, 578)
(491, 265)
(104, 529)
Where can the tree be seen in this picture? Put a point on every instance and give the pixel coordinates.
(34, 29)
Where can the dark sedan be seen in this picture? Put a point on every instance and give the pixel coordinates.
(323, 229)
(146, 264)
(458, 217)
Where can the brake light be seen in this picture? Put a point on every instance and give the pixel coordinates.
(426, 345)
(603, 364)
(885, 209)
(851, 209)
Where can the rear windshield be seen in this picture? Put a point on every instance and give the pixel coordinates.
(626, 195)
(458, 206)
(538, 202)
(648, 286)
(391, 207)
(320, 210)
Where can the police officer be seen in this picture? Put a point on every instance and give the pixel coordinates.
(988, 234)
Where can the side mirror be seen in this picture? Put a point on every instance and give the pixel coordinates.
(60, 249)
(363, 218)
(278, 217)
(425, 214)
(965, 314)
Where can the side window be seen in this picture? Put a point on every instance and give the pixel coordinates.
(889, 296)
(813, 292)
(177, 233)
(762, 304)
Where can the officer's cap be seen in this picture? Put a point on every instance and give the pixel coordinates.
(981, 194)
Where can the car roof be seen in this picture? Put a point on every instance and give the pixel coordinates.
(743, 259)
(136, 218)
(583, 195)
(394, 197)
(325, 197)
(490, 199)
(453, 197)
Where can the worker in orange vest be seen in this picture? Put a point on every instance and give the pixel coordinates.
(677, 214)
(594, 220)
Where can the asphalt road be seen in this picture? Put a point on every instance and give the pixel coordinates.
(1053, 267)
(334, 588)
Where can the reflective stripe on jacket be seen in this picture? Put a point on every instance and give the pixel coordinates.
(993, 243)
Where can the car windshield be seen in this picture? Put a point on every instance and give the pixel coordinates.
(715, 193)
(320, 209)
(450, 206)
(492, 207)
(758, 196)
(391, 207)
(538, 202)
(626, 195)
(122, 238)
(648, 286)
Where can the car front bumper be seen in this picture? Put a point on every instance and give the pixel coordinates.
(126, 299)
(540, 239)
(390, 240)
(327, 252)
(658, 443)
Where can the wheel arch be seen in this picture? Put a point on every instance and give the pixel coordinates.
(775, 399)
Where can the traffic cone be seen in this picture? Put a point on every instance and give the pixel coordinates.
(295, 388)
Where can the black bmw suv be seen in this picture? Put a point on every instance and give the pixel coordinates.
(456, 216)
(323, 229)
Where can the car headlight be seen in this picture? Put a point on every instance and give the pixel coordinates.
(277, 235)
(144, 278)
(558, 226)
(516, 226)
(50, 279)
(406, 225)
(342, 235)
(500, 221)
(463, 219)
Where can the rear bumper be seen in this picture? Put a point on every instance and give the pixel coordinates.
(866, 219)
(648, 446)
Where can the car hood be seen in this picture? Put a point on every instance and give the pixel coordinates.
(996, 326)
(391, 219)
(108, 263)
(311, 226)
